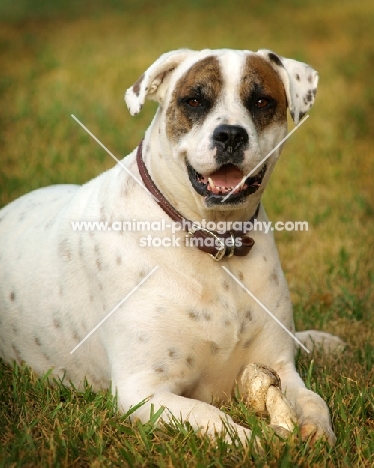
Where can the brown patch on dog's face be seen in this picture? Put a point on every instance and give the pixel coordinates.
(262, 93)
(194, 95)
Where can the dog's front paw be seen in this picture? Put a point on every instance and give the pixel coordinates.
(312, 430)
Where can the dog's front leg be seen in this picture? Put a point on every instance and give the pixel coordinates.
(203, 417)
(312, 412)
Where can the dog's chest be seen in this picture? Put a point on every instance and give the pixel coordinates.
(203, 334)
(224, 315)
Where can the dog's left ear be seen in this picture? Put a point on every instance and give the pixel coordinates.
(152, 84)
(300, 82)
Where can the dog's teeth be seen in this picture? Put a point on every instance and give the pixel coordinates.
(211, 184)
(240, 187)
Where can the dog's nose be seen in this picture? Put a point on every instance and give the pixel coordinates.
(230, 137)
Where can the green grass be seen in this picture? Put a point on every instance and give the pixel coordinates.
(64, 57)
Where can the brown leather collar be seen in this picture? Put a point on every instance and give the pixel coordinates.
(217, 244)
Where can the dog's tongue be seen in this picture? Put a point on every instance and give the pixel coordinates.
(226, 177)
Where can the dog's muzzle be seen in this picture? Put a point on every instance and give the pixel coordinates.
(218, 245)
(227, 184)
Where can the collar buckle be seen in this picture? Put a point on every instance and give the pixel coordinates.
(219, 244)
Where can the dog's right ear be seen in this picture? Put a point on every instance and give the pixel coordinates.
(152, 84)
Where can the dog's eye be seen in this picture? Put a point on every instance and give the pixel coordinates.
(194, 102)
(262, 103)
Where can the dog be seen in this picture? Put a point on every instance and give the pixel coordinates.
(186, 302)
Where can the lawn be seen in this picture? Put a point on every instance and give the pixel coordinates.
(68, 57)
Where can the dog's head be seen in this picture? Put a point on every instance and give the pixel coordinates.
(221, 113)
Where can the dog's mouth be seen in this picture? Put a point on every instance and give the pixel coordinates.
(218, 185)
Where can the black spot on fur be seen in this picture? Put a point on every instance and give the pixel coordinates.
(190, 361)
(142, 338)
(247, 343)
(172, 352)
(56, 322)
(274, 277)
(193, 315)
(136, 85)
(275, 59)
(206, 316)
(214, 348)
(64, 249)
(12, 296)
(160, 369)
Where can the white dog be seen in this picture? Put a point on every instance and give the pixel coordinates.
(183, 334)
